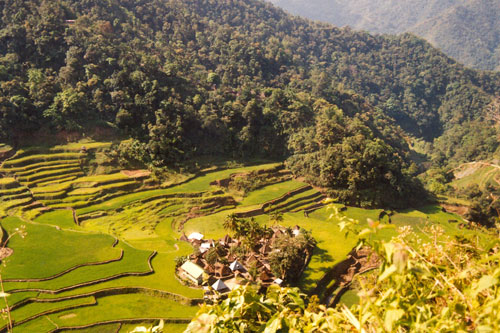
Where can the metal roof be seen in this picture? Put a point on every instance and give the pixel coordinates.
(192, 269)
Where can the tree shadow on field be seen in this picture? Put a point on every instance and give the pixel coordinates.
(319, 255)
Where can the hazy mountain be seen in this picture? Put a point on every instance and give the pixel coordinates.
(469, 33)
(466, 30)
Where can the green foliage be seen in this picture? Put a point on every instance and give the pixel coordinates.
(248, 230)
(246, 311)
(470, 141)
(345, 155)
(484, 206)
(437, 180)
(190, 78)
(290, 253)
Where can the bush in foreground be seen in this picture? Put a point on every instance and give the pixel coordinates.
(425, 284)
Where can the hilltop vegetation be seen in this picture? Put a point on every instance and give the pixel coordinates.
(185, 79)
(465, 30)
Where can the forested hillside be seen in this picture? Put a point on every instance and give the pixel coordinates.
(189, 78)
(465, 30)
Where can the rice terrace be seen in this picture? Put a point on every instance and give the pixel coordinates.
(100, 246)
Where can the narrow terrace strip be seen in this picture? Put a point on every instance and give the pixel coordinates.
(97, 263)
(121, 321)
(112, 292)
(90, 283)
(48, 312)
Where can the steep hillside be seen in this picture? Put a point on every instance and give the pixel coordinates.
(381, 16)
(187, 78)
(465, 30)
(469, 32)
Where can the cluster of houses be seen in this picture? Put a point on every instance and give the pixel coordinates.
(229, 270)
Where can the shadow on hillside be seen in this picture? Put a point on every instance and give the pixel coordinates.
(319, 255)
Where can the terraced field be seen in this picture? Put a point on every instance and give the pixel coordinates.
(100, 248)
(480, 173)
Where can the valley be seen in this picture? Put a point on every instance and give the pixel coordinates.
(100, 249)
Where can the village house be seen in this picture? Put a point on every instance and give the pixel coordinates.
(231, 268)
(220, 286)
(193, 272)
(236, 266)
(195, 236)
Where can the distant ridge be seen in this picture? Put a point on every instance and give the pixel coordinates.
(468, 31)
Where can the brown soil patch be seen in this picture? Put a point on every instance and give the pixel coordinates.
(360, 261)
(466, 169)
(460, 210)
(136, 173)
(68, 316)
(5, 252)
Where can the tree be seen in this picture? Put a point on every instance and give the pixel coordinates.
(232, 223)
(213, 78)
(290, 253)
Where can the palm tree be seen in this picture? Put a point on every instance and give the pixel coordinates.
(276, 218)
(232, 223)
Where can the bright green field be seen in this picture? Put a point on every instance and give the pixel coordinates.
(46, 251)
(133, 261)
(270, 192)
(124, 307)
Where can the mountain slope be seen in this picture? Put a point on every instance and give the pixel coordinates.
(465, 30)
(380, 16)
(469, 32)
(188, 78)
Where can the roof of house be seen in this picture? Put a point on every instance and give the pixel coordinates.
(265, 248)
(192, 269)
(195, 235)
(198, 261)
(222, 270)
(206, 245)
(252, 259)
(235, 265)
(219, 285)
(226, 240)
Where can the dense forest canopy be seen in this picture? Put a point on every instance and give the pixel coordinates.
(236, 78)
(465, 30)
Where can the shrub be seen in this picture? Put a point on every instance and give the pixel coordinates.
(429, 283)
